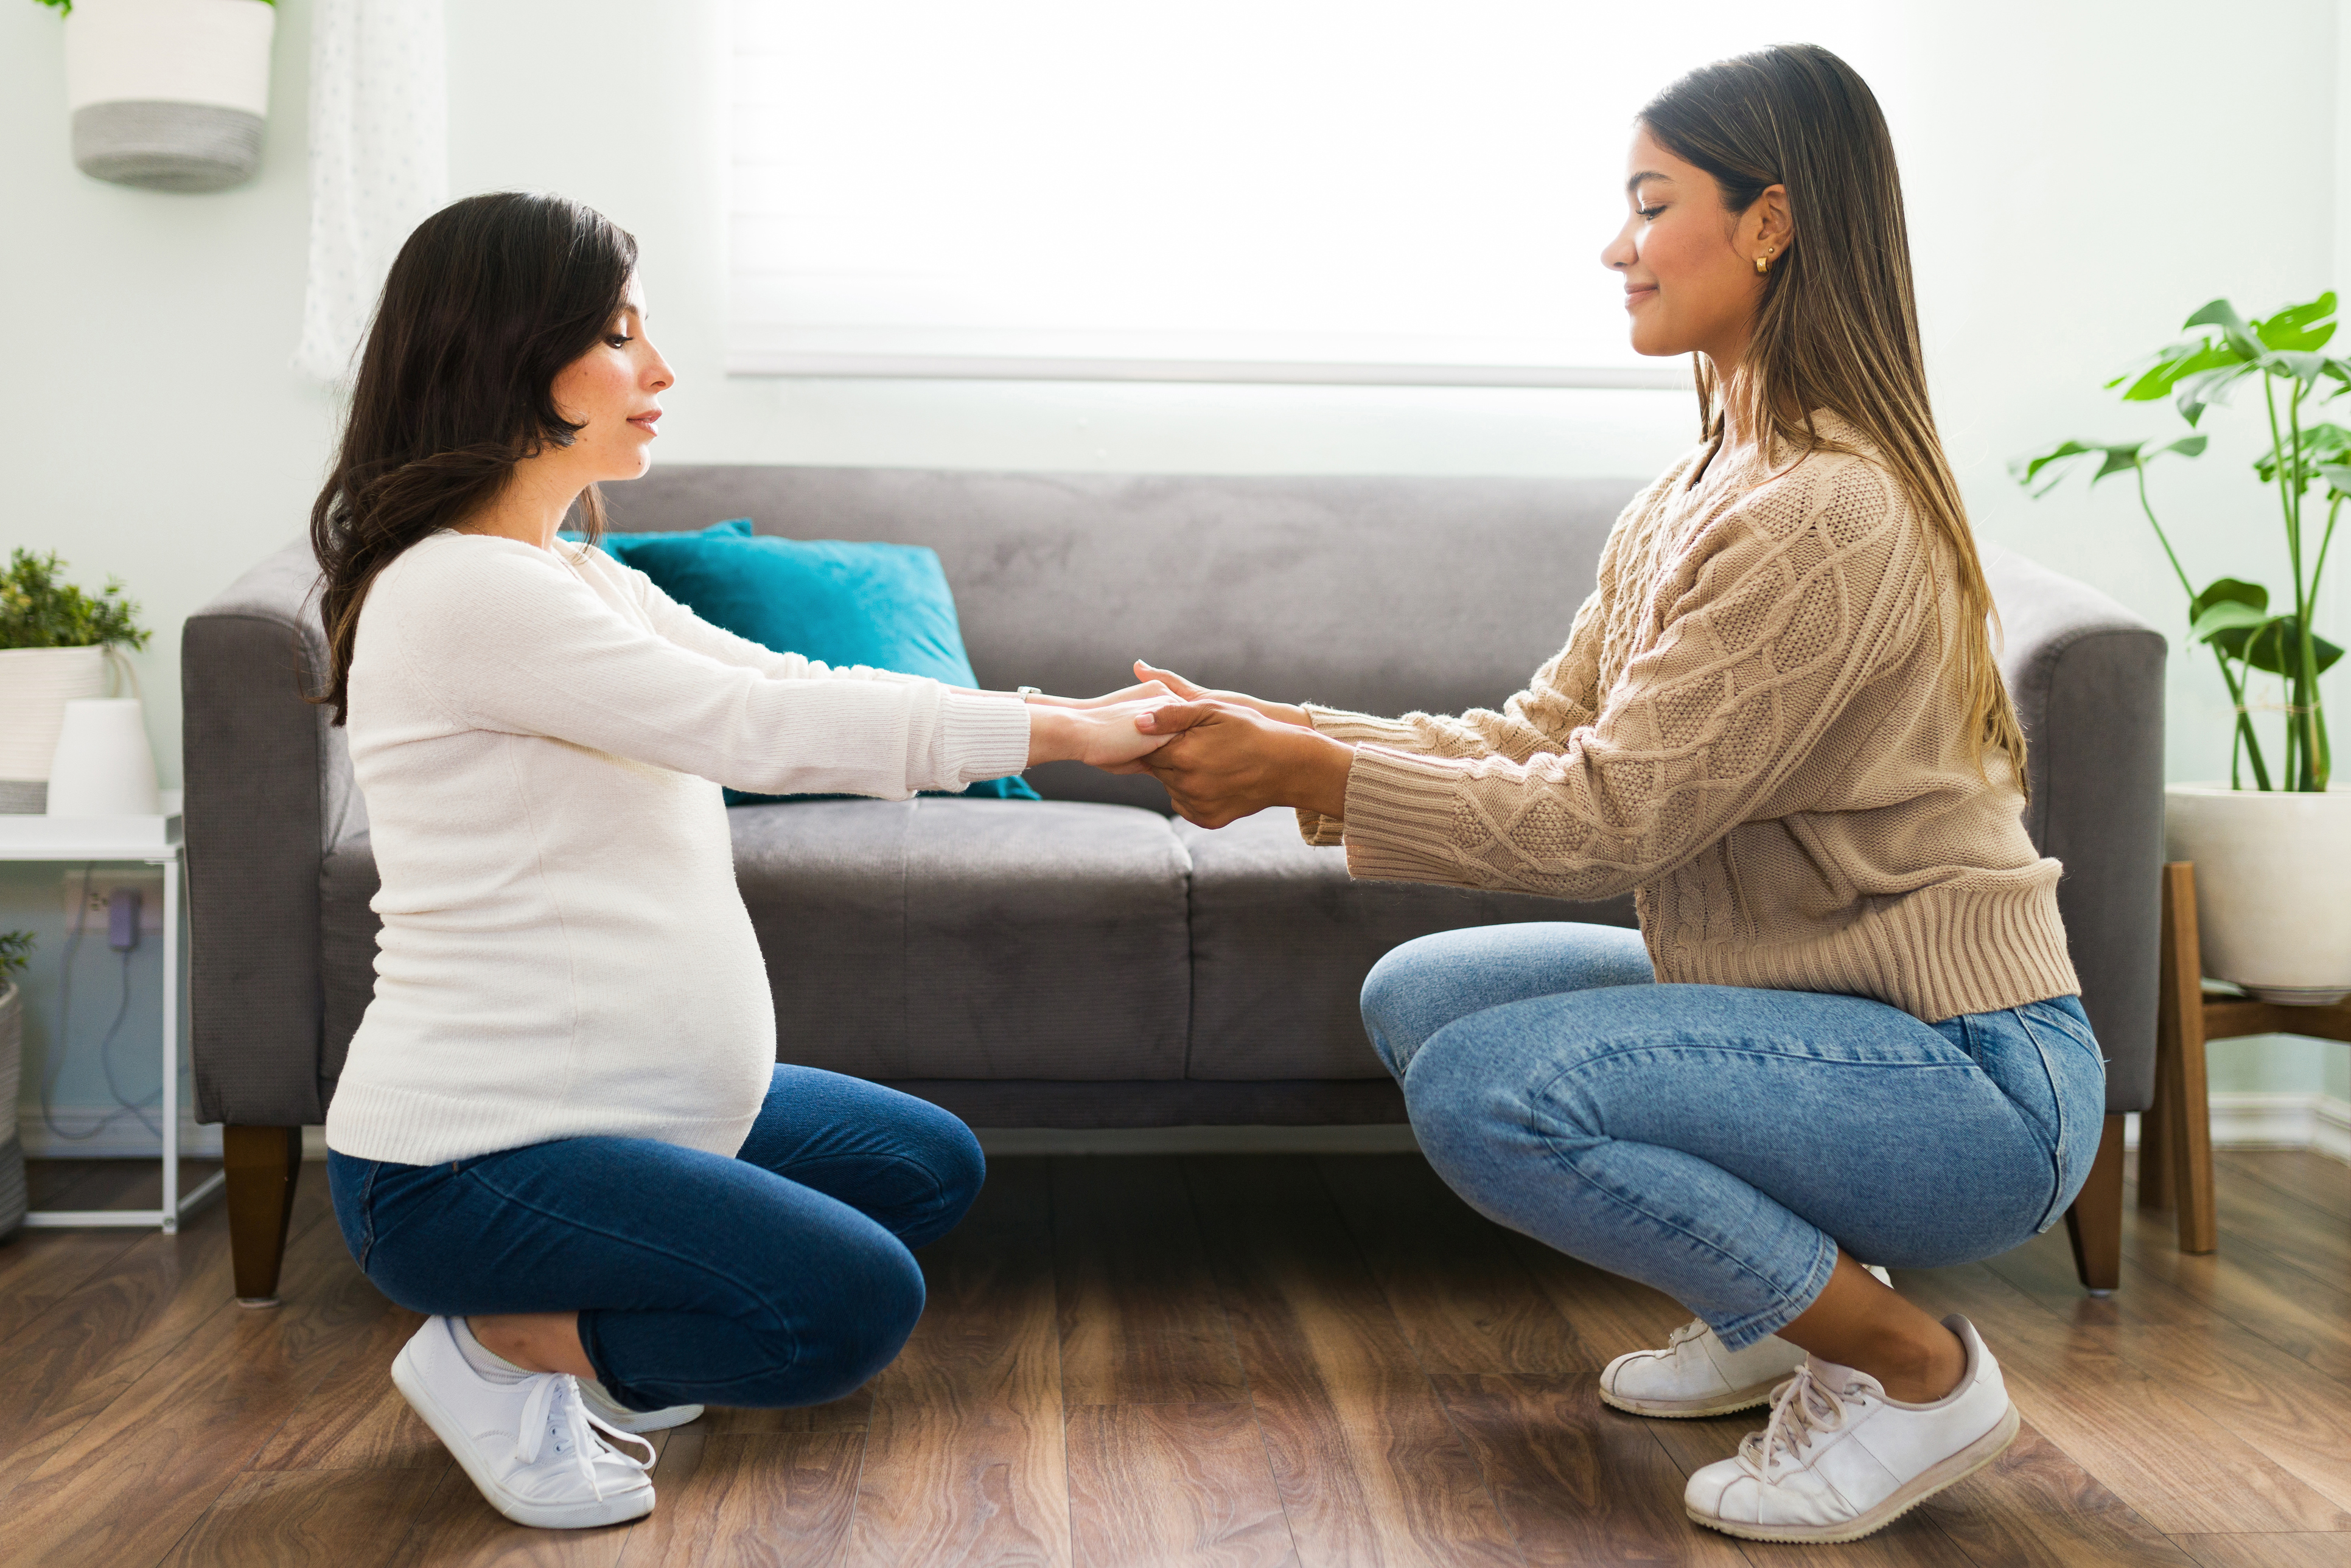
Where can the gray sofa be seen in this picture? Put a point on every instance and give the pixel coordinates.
(1089, 961)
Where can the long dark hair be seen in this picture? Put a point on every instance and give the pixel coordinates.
(487, 301)
(1837, 327)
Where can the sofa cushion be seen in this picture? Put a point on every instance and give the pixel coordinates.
(963, 938)
(1282, 937)
(919, 939)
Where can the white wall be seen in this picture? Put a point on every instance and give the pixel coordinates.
(2089, 203)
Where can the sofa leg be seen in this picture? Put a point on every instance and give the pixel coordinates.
(261, 1165)
(2095, 1223)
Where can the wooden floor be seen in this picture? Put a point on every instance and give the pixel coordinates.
(1227, 1361)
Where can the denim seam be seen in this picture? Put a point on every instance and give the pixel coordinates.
(2057, 1102)
(1563, 1159)
(2056, 1019)
(527, 1206)
(1746, 1331)
(367, 1214)
(1559, 1156)
(1614, 1053)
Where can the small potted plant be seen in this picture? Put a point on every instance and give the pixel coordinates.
(2271, 846)
(55, 641)
(15, 947)
(170, 95)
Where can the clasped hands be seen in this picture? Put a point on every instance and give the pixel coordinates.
(1222, 756)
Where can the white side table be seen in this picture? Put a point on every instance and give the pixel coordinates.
(141, 840)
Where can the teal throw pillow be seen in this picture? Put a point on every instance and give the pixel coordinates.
(882, 605)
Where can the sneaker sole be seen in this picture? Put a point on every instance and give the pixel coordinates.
(676, 1415)
(1926, 1484)
(1690, 1409)
(541, 1516)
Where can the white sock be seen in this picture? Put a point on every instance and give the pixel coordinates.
(486, 1363)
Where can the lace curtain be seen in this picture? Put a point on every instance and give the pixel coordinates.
(379, 161)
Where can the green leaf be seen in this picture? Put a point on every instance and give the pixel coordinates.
(2337, 477)
(2302, 367)
(2221, 314)
(2205, 389)
(2171, 365)
(2299, 326)
(2322, 444)
(2116, 457)
(2273, 644)
(2229, 591)
(2228, 615)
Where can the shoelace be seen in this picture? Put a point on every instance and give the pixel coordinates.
(1693, 1329)
(1800, 1409)
(554, 1408)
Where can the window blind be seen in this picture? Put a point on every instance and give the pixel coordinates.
(1288, 190)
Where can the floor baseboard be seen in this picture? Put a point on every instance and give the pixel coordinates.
(2242, 1119)
(2266, 1119)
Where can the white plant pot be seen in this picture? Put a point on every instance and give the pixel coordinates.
(2272, 886)
(11, 1151)
(35, 684)
(104, 767)
(170, 95)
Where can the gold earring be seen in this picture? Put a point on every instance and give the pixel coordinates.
(1763, 264)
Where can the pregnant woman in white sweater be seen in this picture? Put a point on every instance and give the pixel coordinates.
(561, 1131)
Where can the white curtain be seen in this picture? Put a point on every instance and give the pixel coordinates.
(379, 161)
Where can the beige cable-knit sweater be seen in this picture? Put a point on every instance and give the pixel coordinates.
(1755, 726)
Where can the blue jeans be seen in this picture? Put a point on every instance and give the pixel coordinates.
(1720, 1143)
(780, 1277)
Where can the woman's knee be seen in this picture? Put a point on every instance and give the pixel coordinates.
(952, 1156)
(876, 1298)
(1433, 981)
(1463, 1112)
(1414, 991)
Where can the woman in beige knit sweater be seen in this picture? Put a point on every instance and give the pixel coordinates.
(1847, 1026)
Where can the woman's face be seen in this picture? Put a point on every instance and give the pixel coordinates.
(1690, 283)
(613, 393)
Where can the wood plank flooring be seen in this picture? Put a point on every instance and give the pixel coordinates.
(1243, 1362)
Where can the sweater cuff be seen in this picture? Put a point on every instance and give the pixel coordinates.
(981, 737)
(1400, 818)
(1362, 729)
(1322, 833)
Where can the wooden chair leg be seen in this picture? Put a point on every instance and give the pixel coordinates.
(2184, 1095)
(2158, 1160)
(2095, 1223)
(261, 1165)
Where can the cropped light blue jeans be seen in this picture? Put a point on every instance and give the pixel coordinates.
(1721, 1142)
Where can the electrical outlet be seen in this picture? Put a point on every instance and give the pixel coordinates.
(102, 885)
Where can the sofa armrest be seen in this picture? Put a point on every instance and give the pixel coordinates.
(268, 789)
(2087, 676)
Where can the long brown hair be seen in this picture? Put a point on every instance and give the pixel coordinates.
(487, 301)
(1837, 328)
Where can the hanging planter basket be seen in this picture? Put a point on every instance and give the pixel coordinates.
(170, 95)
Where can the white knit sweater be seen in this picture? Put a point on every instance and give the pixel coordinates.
(541, 737)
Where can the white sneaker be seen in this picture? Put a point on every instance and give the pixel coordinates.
(1840, 1459)
(612, 1413)
(531, 1446)
(1697, 1375)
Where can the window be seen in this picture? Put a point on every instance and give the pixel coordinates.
(1290, 189)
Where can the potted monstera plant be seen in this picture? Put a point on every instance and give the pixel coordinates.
(2272, 844)
(55, 641)
(15, 947)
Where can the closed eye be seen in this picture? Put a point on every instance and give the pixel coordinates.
(1649, 212)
